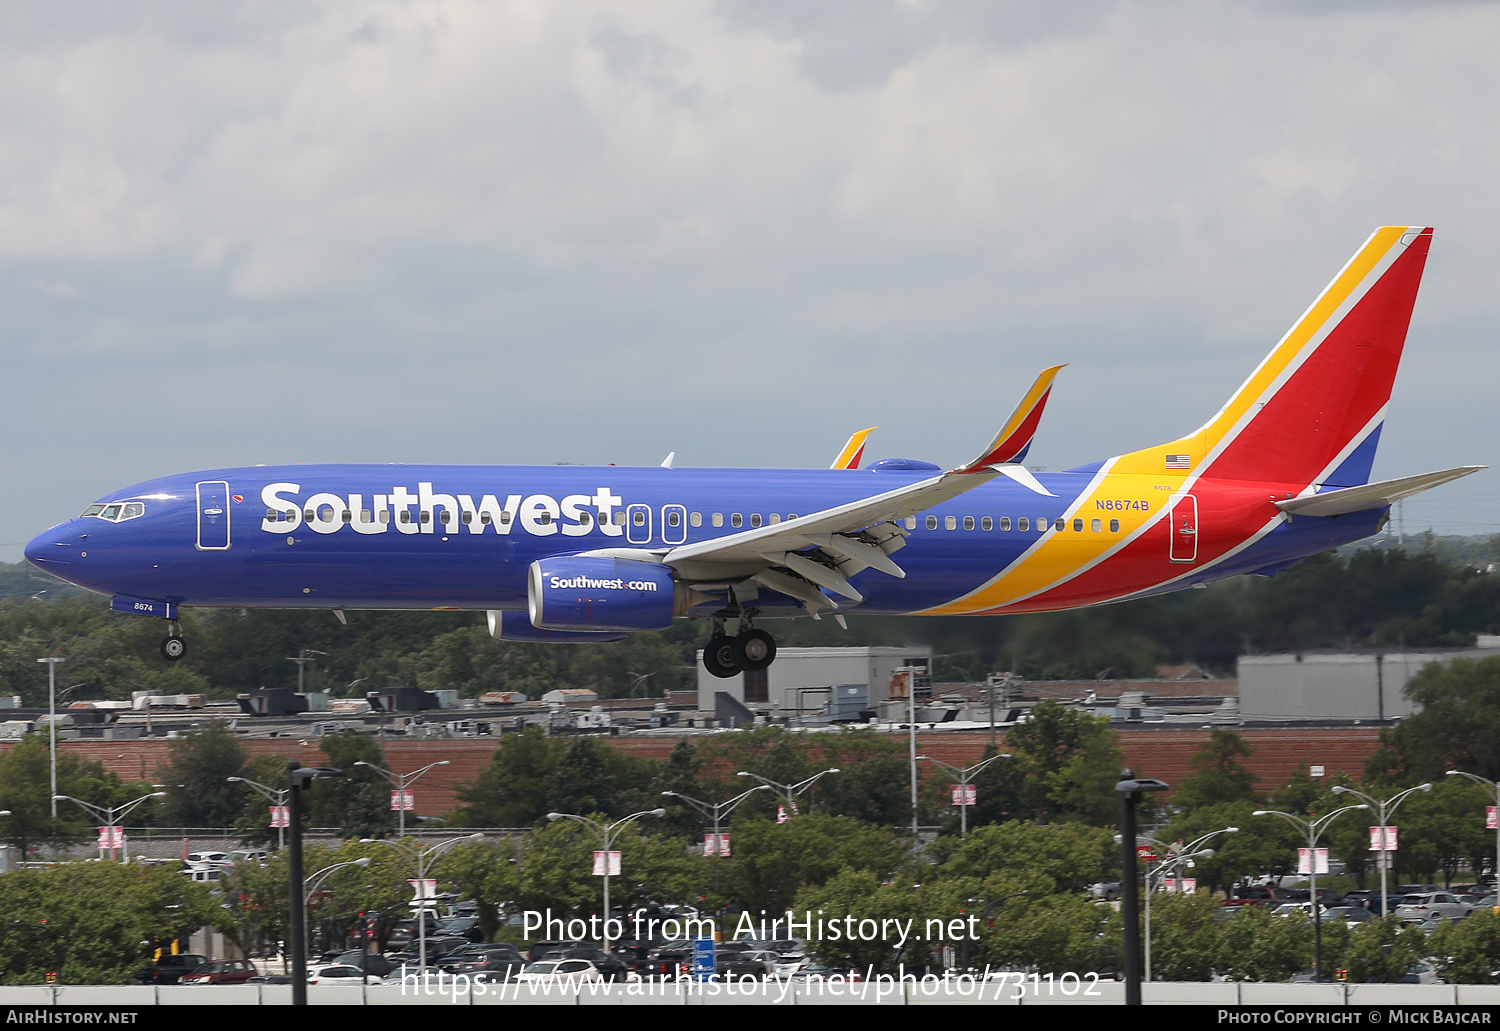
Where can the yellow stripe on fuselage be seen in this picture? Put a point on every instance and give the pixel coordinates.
(1143, 476)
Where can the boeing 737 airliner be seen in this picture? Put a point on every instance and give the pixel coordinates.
(589, 554)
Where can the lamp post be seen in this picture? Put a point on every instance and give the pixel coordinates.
(52, 661)
(1495, 789)
(423, 858)
(607, 836)
(277, 797)
(399, 781)
(963, 775)
(1130, 788)
(1173, 857)
(715, 810)
(109, 815)
(322, 875)
(299, 778)
(1383, 811)
(1313, 829)
(789, 792)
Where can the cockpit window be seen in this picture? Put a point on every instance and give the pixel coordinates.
(115, 513)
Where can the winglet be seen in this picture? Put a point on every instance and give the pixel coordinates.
(853, 451)
(1014, 438)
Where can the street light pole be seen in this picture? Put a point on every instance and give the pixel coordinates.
(1130, 788)
(399, 781)
(789, 792)
(52, 661)
(1313, 829)
(275, 796)
(423, 858)
(1383, 811)
(299, 778)
(109, 814)
(1173, 858)
(1495, 788)
(716, 810)
(607, 836)
(963, 775)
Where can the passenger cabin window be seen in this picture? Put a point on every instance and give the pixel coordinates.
(775, 518)
(969, 523)
(718, 519)
(932, 522)
(988, 524)
(545, 519)
(736, 520)
(639, 518)
(1078, 526)
(385, 516)
(1061, 524)
(950, 523)
(484, 517)
(911, 522)
(1096, 525)
(696, 518)
(755, 519)
(619, 518)
(1025, 524)
(1114, 526)
(1005, 523)
(674, 519)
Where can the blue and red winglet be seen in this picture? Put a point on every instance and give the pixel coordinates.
(1014, 438)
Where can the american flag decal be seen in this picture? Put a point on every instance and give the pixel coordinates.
(1179, 461)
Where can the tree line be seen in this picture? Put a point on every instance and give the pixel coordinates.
(1438, 593)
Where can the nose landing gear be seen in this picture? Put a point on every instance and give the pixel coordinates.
(173, 646)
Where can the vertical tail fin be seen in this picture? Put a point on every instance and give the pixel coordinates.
(1312, 411)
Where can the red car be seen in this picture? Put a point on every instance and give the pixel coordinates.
(221, 971)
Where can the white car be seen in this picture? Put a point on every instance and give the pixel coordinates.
(1425, 905)
(554, 971)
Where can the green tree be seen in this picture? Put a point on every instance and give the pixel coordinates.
(1253, 945)
(511, 791)
(26, 790)
(197, 778)
(358, 803)
(1458, 726)
(95, 923)
(1218, 775)
(1184, 936)
(1468, 952)
(772, 862)
(1057, 858)
(1068, 762)
(1383, 951)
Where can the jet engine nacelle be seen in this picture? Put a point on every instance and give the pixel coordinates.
(516, 626)
(580, 592)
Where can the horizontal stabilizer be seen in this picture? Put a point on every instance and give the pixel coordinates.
(1371, 495)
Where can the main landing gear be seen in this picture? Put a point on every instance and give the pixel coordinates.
(747, 651)
(173, 646)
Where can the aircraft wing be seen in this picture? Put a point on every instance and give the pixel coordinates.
(824, 549)
(1371, 495)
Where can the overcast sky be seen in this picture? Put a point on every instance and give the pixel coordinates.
(541, 232)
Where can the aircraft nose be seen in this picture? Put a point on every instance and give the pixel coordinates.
(55, 551)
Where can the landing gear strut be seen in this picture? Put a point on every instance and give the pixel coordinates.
(749, 650)
(173, 646)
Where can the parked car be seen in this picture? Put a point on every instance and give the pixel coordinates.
(1417, 907)
(170, 969)
(611, 968)
(555, 970)
(221, 971)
